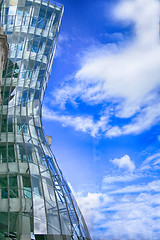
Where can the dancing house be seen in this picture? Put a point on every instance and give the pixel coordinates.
(35, 200)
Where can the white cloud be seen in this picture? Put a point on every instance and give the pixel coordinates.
(119, 178)
(92, 207)
(151, 158)
(122, 211)
(151, 186)
(145, 15)
(151, 162)
(143, 121)
(124, 162)
(80, 123)
(126, 75)
(109, 183)
(134, 218)
(121, 217)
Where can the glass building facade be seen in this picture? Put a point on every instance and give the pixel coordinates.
(35, 200)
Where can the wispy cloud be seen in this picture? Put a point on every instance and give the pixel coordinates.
(125, 75)
(144, 120)
(149, 187)
(80, 123)
(119, 178)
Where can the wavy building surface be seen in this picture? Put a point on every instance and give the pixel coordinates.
(35, 200)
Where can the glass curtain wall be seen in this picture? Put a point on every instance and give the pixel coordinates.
(35, 200)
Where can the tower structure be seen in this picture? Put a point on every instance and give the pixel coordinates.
(35, 200)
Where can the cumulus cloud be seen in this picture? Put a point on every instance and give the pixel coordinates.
(130, 74)
(124, 163)
(92, 207)
(125, 75)
(144, 14)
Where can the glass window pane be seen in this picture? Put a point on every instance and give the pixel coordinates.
(10, 125)
(4, 193)
(27, 187)
(3, 125)
(22, 128)
(3, 182)
(11, 153)
(4, 187)
(22, 153)
(36, 186)
(13, 193)
(3, 154)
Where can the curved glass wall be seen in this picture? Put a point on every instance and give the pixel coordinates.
(35, 200)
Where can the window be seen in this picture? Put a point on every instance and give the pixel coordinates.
(36, 184)
(10, 125)
(3, 154)
(29, 154)
(24, 98)
(36, 95)
(13, 188)
(40, 133)
(28, 74)
(25, 19)
(11, 153)
(23, 128)
(12, 10)
(25, 153)
(11, 20)
(34, 46)
(6, 98)
(4, 125)
(22, 153)
(11, 68)
(19, 17)
(20, 46)
(4, 187)
(34, 20)
(40, 22)
(27, 187)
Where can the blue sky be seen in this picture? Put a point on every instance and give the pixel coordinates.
(102, 109)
